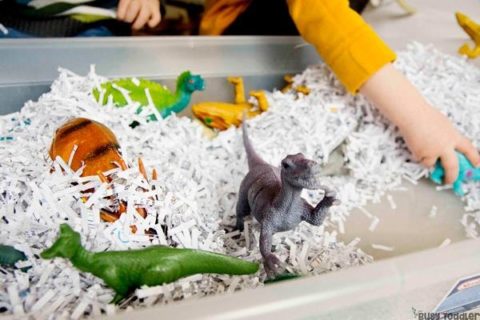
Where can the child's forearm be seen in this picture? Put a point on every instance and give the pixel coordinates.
(429, 134)
(396, 98)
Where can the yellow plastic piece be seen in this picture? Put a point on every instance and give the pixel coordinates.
(239, 89)
(303, 89)
(289, 80)
(222, 115)
(473, 30)
(289, 86)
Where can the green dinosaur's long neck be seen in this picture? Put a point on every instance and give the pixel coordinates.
(82, 259)
(182, 99)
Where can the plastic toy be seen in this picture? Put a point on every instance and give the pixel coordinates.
(473, 30)
(165, 101)
(466, 172)
(125, 271)
(97, 147)
(273, 196)
(9, 256)
(222, 115)
(289, 86)
(86, 143)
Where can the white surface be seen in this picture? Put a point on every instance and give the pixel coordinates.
(433, 23)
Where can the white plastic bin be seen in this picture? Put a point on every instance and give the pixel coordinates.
(386, 289)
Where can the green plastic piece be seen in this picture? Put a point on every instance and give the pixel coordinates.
(164, 100)
(282, 277)
(125, 271)
(9, 256)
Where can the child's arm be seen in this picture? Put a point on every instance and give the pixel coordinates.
(427, 132)
(361, 60)
(139, 12)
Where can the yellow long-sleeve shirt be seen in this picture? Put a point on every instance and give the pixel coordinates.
(342, 38)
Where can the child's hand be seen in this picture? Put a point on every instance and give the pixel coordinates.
(428, 133)
(430, 136)
(139, 12)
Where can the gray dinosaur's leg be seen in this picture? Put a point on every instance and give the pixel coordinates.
(243, 208)
(317, 215)
(270, 261)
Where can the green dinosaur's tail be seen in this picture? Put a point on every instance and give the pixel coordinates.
(197, 261)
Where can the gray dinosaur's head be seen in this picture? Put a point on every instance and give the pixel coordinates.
(301, 172)
(66, 245)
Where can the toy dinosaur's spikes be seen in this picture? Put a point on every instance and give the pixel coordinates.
(154, 174)
(252, 156)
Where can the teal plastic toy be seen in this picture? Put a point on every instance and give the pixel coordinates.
(9, 256)
(164, 100)
(466, 172)
(124, 271)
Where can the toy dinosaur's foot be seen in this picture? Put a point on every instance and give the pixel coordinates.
(469, 52)
(271, 262)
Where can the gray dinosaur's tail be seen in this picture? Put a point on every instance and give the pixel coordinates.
(252, 156)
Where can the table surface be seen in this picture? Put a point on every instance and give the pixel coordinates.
(433, 23)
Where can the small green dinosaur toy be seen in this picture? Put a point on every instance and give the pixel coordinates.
(9, 256)
(165, 101)
(124, 271)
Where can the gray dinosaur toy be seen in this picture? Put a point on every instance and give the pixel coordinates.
(272, 196)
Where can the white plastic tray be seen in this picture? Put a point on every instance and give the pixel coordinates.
(387, 289)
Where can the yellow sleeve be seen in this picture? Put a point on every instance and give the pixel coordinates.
(342, 38)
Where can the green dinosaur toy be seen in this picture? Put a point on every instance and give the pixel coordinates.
(165, 101)
(124, 271)
(9, 256)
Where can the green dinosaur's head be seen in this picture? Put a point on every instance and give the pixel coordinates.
(66, 245)
(190, 82)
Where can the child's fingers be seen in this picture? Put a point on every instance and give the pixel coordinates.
(132, 11)
(467, 148)
(142, 18)
(155, 18)
(428, 161)
(122, 9)
(450, 165)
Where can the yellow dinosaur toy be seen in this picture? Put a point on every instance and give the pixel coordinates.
(289, 86)
(222, 115)
(473, 30)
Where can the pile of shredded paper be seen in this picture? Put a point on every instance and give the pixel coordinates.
(192, 202)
